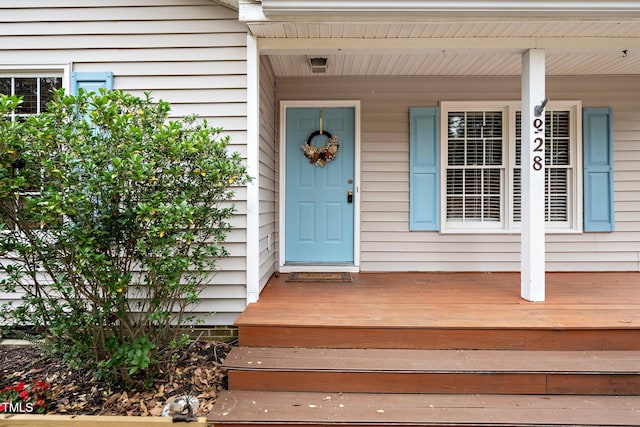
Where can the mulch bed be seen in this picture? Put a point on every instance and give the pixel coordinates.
(76, 392)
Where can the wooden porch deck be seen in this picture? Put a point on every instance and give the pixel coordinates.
(437, 349)
(602, 306)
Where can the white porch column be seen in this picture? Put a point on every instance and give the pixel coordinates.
(532, 251)
(253, 169)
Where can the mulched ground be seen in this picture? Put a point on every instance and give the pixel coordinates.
(75, 392)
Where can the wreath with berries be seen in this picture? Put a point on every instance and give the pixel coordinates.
(320, 155)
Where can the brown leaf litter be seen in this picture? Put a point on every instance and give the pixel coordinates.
(76, 392)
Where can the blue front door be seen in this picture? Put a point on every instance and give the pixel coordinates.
(319, 212)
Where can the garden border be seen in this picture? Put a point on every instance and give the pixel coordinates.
(30, 420)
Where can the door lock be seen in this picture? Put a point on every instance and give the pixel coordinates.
(349, 196)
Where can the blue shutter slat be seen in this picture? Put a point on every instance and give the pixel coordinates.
(598, 169)
(91, 82)
(424, 153)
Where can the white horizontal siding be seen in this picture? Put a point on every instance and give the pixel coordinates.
(132, 11)
(109, 28)
(134, 41)
(388, 245)
(39, 4)
(109, 56)
(191, 53)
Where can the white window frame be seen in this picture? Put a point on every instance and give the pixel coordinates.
(38, 70)
(507, 223)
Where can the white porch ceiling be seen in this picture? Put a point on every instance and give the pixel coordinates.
(582, 47)
(447, 63)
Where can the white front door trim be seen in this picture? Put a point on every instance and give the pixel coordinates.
(282, 190)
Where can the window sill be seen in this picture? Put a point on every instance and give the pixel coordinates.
(461, 231)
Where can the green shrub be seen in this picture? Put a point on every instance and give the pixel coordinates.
(112, 219)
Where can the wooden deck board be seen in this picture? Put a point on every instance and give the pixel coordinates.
(442, 338)
(433, 383)
(387, 382)
(477, 361)
(282, 408)
(453, 300)
(477, 288)
(468, 315)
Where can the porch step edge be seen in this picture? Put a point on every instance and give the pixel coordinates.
(429, 338)
(436, 361)
(328, 409)
(434, 371)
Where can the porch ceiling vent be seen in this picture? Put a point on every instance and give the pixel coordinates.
(318, 65)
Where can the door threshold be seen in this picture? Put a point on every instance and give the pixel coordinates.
(319, 268)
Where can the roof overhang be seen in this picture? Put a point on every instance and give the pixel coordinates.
(231, 4)
(445, 37)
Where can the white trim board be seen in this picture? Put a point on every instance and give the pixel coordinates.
(451, 8)
(33, 69)
(253, 169)
(514, 45)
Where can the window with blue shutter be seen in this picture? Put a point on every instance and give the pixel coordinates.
(91, 82)
(598, 169)
(424, 183)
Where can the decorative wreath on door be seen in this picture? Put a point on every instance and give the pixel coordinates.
(320, 155)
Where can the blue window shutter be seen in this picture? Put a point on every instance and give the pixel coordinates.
(598, 169)
(91, 82)
(424, 159)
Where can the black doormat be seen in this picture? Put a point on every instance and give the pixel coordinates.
(319, 277)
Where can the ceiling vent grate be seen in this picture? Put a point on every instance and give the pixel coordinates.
(318, 65)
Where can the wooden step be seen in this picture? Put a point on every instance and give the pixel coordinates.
(434, 371)
(239, 408)
(582, 311)
(479, 338)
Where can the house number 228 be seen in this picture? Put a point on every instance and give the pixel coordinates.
(538, 144)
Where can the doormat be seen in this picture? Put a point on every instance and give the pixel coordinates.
(319, 277)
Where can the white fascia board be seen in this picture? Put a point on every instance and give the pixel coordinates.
(453, 8)
(231, 4)
(251, 11)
